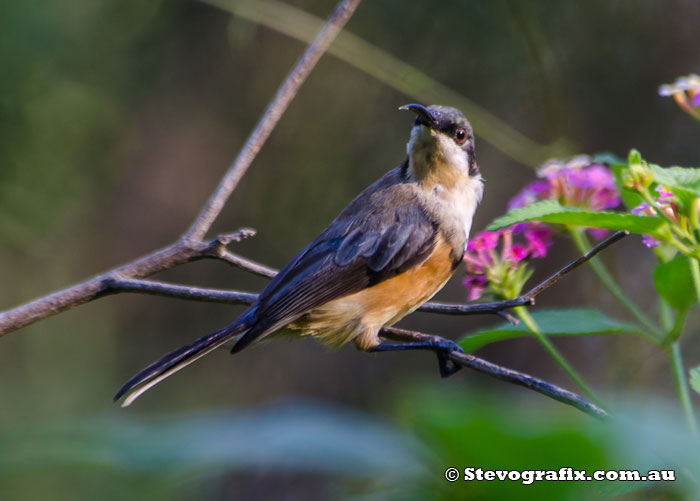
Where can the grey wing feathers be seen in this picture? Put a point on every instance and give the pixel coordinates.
(383, 232)
(365, 245)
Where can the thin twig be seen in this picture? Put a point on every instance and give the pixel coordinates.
(119, 284)
(528, 381)
(191, 246)
(272, 115)
(175, 254)
(247, 264)
(528, 298)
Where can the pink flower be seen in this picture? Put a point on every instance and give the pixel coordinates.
(665, 195)
(650, 241)
(598, 233)
(475, 285)
(539, 238)
(517, 253)
(666, 201)
(576, 183)
(530, 194)
(492, 255)
(695, 100)
(643, 209)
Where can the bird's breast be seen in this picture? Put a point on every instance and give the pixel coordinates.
(453, 208)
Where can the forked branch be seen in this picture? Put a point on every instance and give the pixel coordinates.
(193, 246)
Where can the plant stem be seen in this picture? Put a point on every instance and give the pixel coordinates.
(652, 332)
(695, 272)
(527, 319)
(681, 382)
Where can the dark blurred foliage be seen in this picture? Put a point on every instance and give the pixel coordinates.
(117, 119)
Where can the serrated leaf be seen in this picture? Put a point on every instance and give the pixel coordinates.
(685, 178)
(695, 378)
(571, 322)
(674, 282)
(551, 211)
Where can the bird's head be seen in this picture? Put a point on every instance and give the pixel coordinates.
(441, 147)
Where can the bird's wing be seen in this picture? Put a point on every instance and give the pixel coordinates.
(381, 234)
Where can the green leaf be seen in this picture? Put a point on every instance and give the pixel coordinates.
(695, 378)
(572, 322)
(551, 211)
(674, 282)
(685, 178)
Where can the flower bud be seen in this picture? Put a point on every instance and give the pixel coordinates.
(638, 177)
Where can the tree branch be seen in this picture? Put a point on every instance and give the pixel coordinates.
(191, 245)
(462, 359)
(118, 285)
(182, 251)
(528, 298)
(494, 307)
(272, 115)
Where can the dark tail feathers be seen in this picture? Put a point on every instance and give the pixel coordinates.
(178, 359)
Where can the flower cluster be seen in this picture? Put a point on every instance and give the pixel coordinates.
(666, 203)
(686, 93)
(495, 259)
(578, 182)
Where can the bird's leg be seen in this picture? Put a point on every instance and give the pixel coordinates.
(420, 341)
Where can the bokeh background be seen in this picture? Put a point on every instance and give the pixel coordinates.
(117, 118)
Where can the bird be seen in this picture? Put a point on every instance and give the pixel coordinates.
(389, 251)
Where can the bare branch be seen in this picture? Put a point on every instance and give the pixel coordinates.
(182, 251)
(272, 115)
(123, 284)
(462, 359)
(191, 246)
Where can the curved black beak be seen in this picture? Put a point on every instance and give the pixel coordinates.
(426, 118)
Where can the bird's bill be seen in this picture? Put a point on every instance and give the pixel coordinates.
(427, 118)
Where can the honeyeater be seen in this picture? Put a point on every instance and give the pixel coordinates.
(390, 250)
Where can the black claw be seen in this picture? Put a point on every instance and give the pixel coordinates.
(439, 345)
(447, 366)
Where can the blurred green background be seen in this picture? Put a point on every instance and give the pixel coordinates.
(117, 118)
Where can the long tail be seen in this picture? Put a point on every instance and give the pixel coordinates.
(180, 358)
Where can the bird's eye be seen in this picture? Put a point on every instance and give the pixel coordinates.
(460, 135)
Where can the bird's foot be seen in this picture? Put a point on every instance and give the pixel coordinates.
(439, 345)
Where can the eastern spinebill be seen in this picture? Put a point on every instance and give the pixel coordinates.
(389, 251)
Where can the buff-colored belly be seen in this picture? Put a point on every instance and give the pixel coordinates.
(361, 315)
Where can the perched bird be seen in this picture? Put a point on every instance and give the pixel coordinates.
(389, 251)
